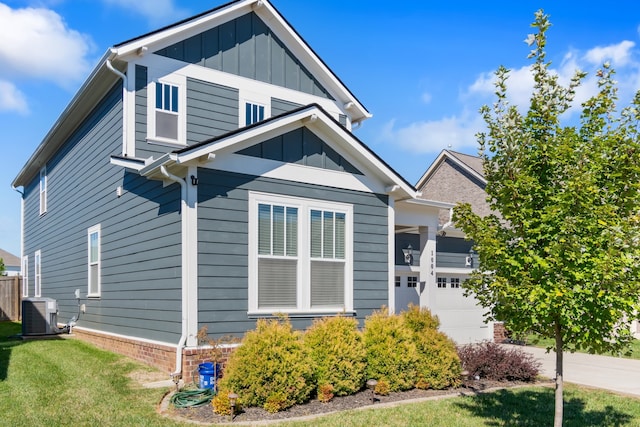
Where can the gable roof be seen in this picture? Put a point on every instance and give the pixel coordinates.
(312, 116)
(9, 259)
(471, 164)
(102, 78)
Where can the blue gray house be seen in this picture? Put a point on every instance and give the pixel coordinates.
(206, 174)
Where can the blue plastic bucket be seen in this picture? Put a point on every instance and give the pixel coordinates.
(206, 371)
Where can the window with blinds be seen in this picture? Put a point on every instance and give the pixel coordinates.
(327, 258)
(300, 255)
(277, 256)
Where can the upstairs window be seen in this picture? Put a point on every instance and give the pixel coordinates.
(166, 112)
(43, 190)
(253, 113)
(412, 281)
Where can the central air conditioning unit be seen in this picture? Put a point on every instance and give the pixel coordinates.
(39, 316)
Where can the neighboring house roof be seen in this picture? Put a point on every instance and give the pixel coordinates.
(9, 259)
(102, 78)
(312, 116)
(472, 164)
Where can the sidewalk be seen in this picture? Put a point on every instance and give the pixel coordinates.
(610, 373)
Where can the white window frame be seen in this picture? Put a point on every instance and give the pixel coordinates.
(25, 276)
(412, 282)
(97, 263)
(253, 98)
(303, 288)
(37, 273)
(441, 282)
(455, 283)
(43, 190)
(172, 80)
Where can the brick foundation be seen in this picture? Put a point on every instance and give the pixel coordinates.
(159, 356)
(500, 333)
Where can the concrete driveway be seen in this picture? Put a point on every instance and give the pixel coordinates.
(610, 373)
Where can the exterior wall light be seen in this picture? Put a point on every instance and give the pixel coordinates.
(408, 255)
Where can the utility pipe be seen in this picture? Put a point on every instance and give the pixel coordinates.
(185, 276)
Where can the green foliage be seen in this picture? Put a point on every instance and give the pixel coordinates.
(221, 404)
(271, 367)
(382, 388)
(561, 256)
(437, 365)
(391, 351)
(2, 267)
(337, 350)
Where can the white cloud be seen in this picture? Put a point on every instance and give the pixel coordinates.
(619, 54)
(36, 42)
(456, 132)
(11, 99)
(426, 97)
(156, 11)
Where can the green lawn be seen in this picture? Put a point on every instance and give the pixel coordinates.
(60, 382)
(535, 340)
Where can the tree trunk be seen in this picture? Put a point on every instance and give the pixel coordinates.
(557, 420)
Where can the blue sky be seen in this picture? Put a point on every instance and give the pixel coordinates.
(422, 68)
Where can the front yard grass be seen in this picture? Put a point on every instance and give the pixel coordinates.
(68, 382)
(537, 341)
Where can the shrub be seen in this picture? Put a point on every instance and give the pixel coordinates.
(221, 404)
(271, 367)
(337, 350)
(325, 393)
(495, 362)
(391, 351)
(438, 364)
(382, 388)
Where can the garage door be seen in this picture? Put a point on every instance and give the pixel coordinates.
(460, 317)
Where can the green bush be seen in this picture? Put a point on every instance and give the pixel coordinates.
(271, 368)
(438, 365)
(337, 350)
(391, 351)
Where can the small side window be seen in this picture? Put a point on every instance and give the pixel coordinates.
(43, 190)
(94, 261)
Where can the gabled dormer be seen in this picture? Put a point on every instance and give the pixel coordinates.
(219, 71)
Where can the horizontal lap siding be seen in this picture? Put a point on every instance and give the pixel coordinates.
(140, 234)
(223, 245)
(212, 110)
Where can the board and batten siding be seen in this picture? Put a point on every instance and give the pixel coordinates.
(223, 247)
(140, 234)
(246, 47)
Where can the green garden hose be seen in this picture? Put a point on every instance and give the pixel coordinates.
(193, 397)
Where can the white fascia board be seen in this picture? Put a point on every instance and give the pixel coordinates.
(192, 27)
(429, 203)
(127, 163)
(454, 270)
(311, 61)
(294, 172)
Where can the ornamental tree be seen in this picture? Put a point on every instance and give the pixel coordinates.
(561, 255)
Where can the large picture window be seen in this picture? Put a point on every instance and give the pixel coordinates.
(300, 255)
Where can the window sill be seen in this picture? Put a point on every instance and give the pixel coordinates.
(272, 314)
(166, 142)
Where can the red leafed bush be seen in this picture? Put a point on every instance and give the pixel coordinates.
(498, 363)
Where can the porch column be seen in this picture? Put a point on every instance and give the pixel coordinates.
(427, 263)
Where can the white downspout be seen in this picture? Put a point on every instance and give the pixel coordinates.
(185, 277)
(124, 104)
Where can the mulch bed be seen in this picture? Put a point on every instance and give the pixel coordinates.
(204, 414)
